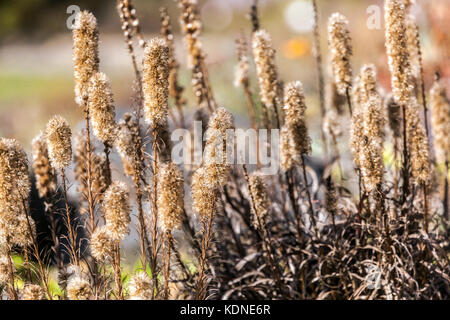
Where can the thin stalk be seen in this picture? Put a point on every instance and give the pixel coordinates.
(55, 238)
(405, 168)
(117, 271)
(72, 239)
(36, 253)
(349, 100)
(425, 213)
(294, 204)
(155, 206)
(446, 211)
(267, 240)
(251, 112)
(107, 151)
(319, 67)
(167, 269)
(308, 194)
(206, 238)
(142, 228)
(11, 287)
(89, 170)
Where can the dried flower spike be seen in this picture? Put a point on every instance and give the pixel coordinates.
(116, 209)
(156, 81)
(260, 198)
(418, 144)
(33, 292)
(78, 288)
(215, 155)
(266, 69)
(85, 53)
(43, 171)
(102, 244)
(440, 118)
(58, 136)
(340, 45)
(170, 196)
(101, 108)
(202, 198)
(397, 50)
(141, 287)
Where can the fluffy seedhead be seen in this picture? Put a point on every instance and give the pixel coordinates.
(260, 199)
(116, 209)
(43, 171)
(371, 153)
(294, 109)
(295, 140)
(340, 45)
(215, 154)
(59, 145)
(14, 189)
(266, 69)
(440, 119)
(78, 288)
(102, 244)
(101, 108)
(141, 287)
(33, 292)
(170, 196)
(85, 54)
(155, 84)
(413, 41)
(418, 144)
(203, 201)
(397, 50)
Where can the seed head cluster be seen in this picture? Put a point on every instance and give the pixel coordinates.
(85, 53)
(170, 196)
(43, 171)
(295, 138)
(59, 144)
(101, 108)
(440, 118)
(156, 81)
(397, 50)
(341, 51)
(266, 69)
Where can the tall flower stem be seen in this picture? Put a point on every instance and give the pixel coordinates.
(117, 271)
(169, 244)
(155, 206)
(206, 238)
(89, 170)
(318, 56)
(11, 287)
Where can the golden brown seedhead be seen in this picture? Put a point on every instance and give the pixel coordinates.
(85, 54)
(59, 144)
(156, 81)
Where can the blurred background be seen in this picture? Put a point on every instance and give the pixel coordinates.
(36, 79)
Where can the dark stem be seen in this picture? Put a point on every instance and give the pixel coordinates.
(12, 290)
(167, 269)
(349, 100)
(155, 207)
(308, 194)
